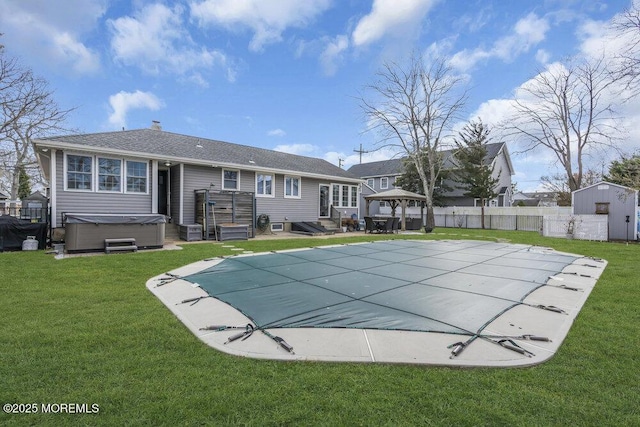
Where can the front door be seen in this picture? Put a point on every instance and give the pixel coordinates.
(325, 200)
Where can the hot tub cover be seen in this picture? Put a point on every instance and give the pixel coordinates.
(458, 288)
(89, 218)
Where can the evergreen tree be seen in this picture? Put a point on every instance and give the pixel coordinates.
(474, 172)
(24, 183)
(625, 171)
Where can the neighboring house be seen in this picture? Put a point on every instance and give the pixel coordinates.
(381, 176)
(538, 198)
(154, 171)
(617, 202)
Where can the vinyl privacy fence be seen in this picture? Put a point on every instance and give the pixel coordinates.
(550, 222)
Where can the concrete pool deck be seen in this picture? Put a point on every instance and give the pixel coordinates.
(504, 342)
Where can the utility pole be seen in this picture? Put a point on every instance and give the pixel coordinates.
(360, 151)
(340, 162)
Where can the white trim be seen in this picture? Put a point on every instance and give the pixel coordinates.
(330, 196)
(181, 196)
(65, 172)
(126, 176)
(237, 179)
(603, 183)
(97, 174)
(284, 189)
(386, 186)
(188, 160)
(154, 186)
(273, 183)
(53, 182)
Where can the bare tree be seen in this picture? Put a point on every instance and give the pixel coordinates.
(413, 109)
(568, 111)
(559, 184)
(28, 111)
(627, 69)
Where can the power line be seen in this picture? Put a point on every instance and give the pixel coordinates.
(360, 151)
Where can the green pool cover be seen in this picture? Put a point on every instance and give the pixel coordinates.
(456, 287)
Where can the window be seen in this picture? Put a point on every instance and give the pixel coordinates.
(292, 187)
(230, 179)
(602, 208)
(371, 182)
(345, 196)
(264, 185)
(384, 183)
(79, 172)
(109, 174)
(136, 177)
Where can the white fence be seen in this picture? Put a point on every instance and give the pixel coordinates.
(581, 227)
(549, 221)
(504, 218)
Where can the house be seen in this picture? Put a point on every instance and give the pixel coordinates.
(381, 176)
(537, 198)
(617, 202)
(151, 171)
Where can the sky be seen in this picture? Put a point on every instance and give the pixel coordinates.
(287, 75)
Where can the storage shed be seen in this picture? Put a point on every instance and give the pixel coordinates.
(618, 202)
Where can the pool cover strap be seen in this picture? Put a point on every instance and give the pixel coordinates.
(164, 280)
(195, 300)
(248, 331)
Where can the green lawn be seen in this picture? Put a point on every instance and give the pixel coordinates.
(86, 330)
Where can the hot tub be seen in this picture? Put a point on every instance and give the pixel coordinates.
(87, 232)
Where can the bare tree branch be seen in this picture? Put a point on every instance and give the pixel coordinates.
(567, 110)
(627, 69)
(413, 108)
(27, 111)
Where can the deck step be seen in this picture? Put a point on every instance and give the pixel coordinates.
(121, 244)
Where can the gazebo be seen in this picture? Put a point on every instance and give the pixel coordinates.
(396, 197)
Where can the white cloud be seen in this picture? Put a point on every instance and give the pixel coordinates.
(267, 19)
(51, 33)
(396, 17)
(277, 133)
(542, 56)
(333, 54)
(299, 149)
(154, 39)
(527, 32)
(123, 101)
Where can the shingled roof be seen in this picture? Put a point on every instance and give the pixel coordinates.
(395, 166)
(167, 146)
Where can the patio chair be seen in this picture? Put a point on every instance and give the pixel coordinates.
(388, 226)
(370, 226)
(396, 225)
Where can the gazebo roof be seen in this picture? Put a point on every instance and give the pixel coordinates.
(396, 194)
